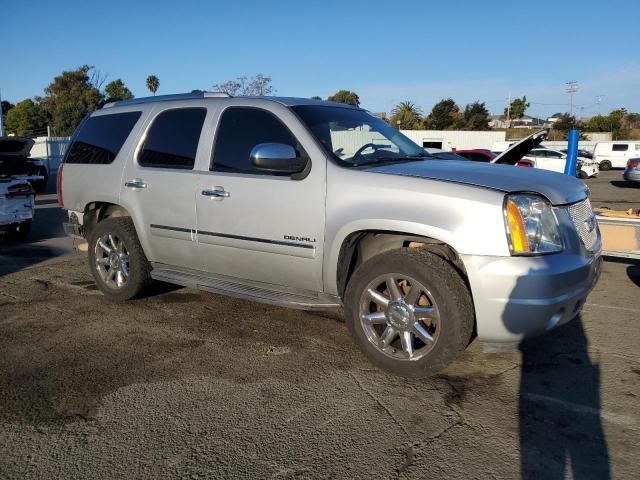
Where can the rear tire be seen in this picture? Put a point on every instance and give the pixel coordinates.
(605, 165)
(402, 335)
(116, 259)
(582, 174)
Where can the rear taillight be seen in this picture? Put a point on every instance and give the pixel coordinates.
(633, 163)
(21, 190)
(524, 164)
(60, 194)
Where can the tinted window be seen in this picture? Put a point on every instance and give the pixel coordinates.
(538, 153)
(468, 155)
(172, 140)
(479, 157)
(240, 130)
(551, 154)
(100, 138)
(620, 147)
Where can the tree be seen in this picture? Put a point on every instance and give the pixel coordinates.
(27, 118)
(153, 83)
(117, 90)
(345, 96)
(565, 123)
(258, 86)
(518, 107)
(475, 117)
(444, 115)
(69, 98)
(406, 116)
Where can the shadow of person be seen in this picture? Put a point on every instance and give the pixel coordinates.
(559, 408)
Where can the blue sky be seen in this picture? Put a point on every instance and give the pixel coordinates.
(386, 51)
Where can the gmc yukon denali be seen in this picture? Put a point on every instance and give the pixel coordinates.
(318, 205)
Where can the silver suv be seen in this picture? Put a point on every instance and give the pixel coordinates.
(317, 205)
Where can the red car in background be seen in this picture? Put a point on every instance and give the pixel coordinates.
(483, 155)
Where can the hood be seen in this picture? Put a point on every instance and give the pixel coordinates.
(518, 150)
(559, 189)
(15, 146)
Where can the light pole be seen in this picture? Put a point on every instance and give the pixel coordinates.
(572, 87)
(1, 122)
(398, 124)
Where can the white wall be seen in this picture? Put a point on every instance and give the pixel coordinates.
(458, 139)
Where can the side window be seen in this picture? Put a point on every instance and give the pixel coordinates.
(242, 128)
(538, 153)
(172, 140)
(551, 154)
(620, 147)
(478, 157)
(101, 137)
(637, 146)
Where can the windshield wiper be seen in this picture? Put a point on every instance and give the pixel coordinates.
(408, 158)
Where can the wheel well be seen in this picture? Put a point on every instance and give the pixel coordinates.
(359, 247)
(95, 212)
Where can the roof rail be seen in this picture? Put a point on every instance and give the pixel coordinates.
(166, 98)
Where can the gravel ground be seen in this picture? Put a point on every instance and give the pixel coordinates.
(185, 384)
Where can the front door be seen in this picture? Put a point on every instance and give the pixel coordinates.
(255, 225)
(159, 185)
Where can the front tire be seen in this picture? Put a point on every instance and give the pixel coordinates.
(409, 311)
(116, 259)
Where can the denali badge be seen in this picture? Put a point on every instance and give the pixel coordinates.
(299, 239)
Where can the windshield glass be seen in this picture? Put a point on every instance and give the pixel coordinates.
(356, 137)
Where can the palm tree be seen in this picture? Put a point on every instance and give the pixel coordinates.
(406, 115)
(153, 83)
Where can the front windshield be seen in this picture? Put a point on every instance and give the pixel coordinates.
(355, 137)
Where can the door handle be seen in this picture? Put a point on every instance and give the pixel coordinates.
(216, 192)
(137, 183)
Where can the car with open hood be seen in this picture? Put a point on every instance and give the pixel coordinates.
(15, 160)
(319, 205)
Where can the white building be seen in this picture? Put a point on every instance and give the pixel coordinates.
(455, 139)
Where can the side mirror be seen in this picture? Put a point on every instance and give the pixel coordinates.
(277, 158)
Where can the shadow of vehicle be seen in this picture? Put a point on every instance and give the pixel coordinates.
(625, 184)
(559, 408)
(633, 272)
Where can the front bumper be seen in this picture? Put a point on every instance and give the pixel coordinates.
(523, 297)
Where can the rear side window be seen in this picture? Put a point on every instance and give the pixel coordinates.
(620, 147)
(172, 140)
(240, 130)
(100, 138)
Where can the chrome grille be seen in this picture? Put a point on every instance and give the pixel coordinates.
(585, 222)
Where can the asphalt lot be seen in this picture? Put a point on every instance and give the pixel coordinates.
(184, 384)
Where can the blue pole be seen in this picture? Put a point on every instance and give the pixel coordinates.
(572, 153)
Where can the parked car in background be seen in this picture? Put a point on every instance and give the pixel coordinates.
(581, 153)
(615, 154)
(314, 205)
(15, 161)
(438, 154)
(477, 155)
(632, 172)
(555, 161)
(17, 205)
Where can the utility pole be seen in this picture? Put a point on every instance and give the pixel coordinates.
(572, 87)
(509, 109)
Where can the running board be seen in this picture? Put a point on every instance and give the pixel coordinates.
(250, 290)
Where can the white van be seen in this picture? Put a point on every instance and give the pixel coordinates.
(615, 154)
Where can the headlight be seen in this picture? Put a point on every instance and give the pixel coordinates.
(532, 227)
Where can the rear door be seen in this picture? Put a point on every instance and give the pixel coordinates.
(262, 227)
(159, 182)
